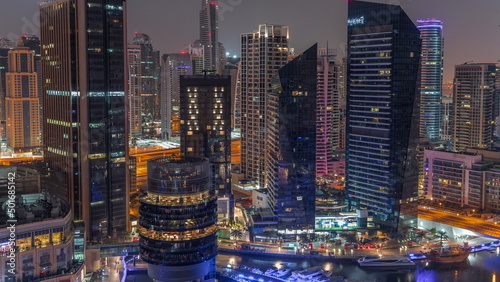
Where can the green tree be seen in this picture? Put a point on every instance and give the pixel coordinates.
(441, 234)
(420, 235)
(236, 233)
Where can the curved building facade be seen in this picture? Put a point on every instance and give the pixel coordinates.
(40, 243)
(178, 219)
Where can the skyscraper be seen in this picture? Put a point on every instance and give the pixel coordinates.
(473, 94)
(263, 53)
(5, 46)
(328, 112)
(431, 78)
(134, 91)
(172, 67)
(22, 101)
(213, 50)
(383, 64)
(85, 131)
(150, 84)
(291, 143)
(205, 126)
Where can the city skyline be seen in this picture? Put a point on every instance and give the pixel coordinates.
(240, 16)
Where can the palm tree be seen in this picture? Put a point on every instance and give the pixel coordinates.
(236, 233)
(441, 234)
(420, 235)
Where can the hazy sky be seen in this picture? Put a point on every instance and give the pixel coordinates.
(471, 28)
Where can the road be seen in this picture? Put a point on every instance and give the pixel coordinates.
(462, 221)
(142, 155)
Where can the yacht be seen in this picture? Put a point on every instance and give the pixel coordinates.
(385, 262)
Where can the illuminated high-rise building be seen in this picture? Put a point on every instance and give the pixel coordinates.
(328, 112)
(22, 101)
(213, 51)
(263, 53)
(134, 91)
(149, 85)
(473, 95)
(382, 135)
(431, 78)
(85, 123)
(173, 66)
(291, 143)
(205, 126)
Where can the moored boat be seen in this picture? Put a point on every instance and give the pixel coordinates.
(385, 262)
(449, 255)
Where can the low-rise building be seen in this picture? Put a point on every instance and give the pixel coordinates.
(468, 179)
(38, 241)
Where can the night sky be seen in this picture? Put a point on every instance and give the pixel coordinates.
(471, 28)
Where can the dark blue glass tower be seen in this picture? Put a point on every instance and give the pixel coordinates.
(382, 121)
(83, 68)
(291, 166)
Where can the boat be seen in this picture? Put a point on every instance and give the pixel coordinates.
(449, 255)
(313, 274)
(370, 261)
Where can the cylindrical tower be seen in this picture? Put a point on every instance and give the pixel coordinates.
(178, 219)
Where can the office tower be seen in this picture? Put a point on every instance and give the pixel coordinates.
(328, 112)
(214, 57)
(205, 112)
(473, 93)
(431, 77)
(33, 43)
(22, 102)
(447, 123)
(496, 102)
(342, 86)
(263, 53)
(134, 91)
(383, 64)
(150, 83)
(197, 55)
(85, 130)
(5, 46)
(172, 67)
(178, 236)
(291, 143)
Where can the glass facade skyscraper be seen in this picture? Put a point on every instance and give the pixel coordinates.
(85, 133)
(383, 65)
(291, 143)
(431, 78)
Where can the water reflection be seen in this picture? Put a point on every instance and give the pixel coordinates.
(483, 266)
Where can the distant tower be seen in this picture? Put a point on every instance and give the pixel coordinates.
(178, 232)
(209, 34)
(173, 66)
(134, 91)
(431, 78)
(263, 53)
(22, 101)
(382, 171)
(206, 130)
(473, 95)
(150, 84)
